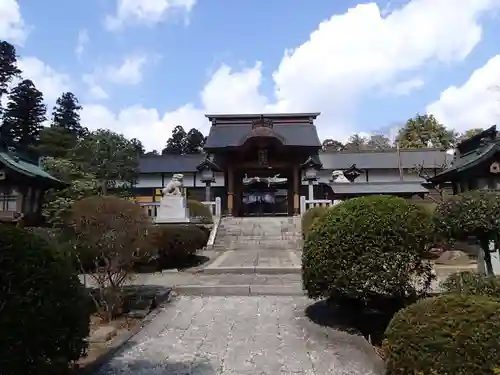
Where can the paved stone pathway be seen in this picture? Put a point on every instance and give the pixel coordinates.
(262, 335)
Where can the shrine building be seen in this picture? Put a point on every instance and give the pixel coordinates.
(261, 164)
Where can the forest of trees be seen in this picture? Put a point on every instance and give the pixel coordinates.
(420, 131)
(25, 115)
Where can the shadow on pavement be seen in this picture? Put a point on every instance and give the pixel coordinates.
(118, 363)
(328, 315)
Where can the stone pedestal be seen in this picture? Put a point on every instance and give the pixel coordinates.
(172, 209)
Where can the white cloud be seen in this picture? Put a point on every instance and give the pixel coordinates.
(403, 88)
(49, 81)
(145, 124)
(83, 40)
(95, 90)
(147, 12)
(12, 26)
(347, 56)
(474, 104)
(129, 72)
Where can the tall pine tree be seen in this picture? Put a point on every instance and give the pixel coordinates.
(8, 66)
(194, 142)
(66, 114)
(65, 130)
(24, 115)
(177, 142)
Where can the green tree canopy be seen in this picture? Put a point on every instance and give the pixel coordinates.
(331, 145)
(177, 142)
(66, 114)
(424, 131)
(58, 202)
(110, 157)
(55, 142)
(24, 115)
(8, 66)
(356, 143)
(195, 141)
(181, 143)
(378, 142)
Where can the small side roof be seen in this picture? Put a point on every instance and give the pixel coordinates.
(366, 188)
(485, 146)
(28, 169)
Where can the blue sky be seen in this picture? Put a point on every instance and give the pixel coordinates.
(142, 67)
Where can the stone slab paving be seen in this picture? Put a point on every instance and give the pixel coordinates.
(255, 261)
(242, 336)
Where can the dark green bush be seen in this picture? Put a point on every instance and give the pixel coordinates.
(471, 214)
(469, 283)
(198, 210)
(177, 242)
(311, 216)
(446, 335)
(368, 246)
(44, 310)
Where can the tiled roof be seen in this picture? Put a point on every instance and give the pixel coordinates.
(430, 158)
(296, 134)
(467, 161)
(170, 163)
(23, 167)
(378, 188)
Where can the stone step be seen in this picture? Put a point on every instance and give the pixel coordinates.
(268, 233)
(261, 270)
(222, 248)
(240, 290)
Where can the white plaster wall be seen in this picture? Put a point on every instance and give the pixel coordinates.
(219, 180)
(382, 175)
(149, 180)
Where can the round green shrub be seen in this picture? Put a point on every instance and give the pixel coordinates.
(44, 308)
(446, 335)
(473, 213)
(368, 246)
(199, 211)
(176, 243)
(469, 283)
(311, 216)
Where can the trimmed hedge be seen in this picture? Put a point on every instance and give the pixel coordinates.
(367, 246)
(311, 216)
(469, 283)
(177, 242)
(44, 309)
(200, 211)
(446, 335)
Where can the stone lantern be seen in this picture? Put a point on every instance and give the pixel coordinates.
(207, 169)
(311, 167)
(207, 177)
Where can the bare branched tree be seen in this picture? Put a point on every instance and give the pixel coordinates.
(423, 172)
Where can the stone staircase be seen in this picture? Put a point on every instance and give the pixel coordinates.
(255, 256)
(259, 233)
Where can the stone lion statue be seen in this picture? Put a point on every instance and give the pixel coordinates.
(338, 177)
(174, 185)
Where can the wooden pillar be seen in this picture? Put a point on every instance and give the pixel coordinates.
(230, 191)
(296, 190)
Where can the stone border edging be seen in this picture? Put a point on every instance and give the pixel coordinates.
(122, 338)
(213, 233)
